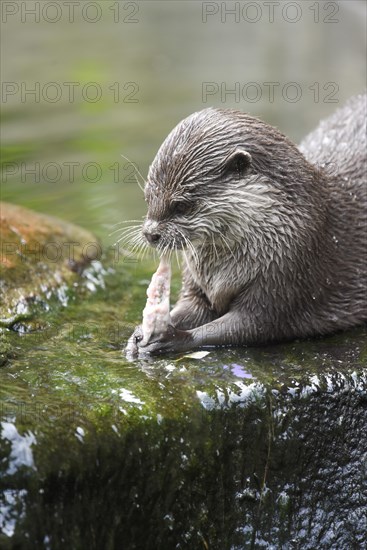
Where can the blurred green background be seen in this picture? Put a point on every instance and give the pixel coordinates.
(113, 78)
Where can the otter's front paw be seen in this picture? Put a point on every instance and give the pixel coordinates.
(173, 340)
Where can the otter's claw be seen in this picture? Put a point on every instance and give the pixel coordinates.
(172, 340)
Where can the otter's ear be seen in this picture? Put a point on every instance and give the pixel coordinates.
(238, 163)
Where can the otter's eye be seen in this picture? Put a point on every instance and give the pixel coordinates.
(179, 208)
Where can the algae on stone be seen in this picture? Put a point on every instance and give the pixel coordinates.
(242, 449)
(41, 258)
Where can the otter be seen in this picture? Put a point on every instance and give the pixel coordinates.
(273, 236)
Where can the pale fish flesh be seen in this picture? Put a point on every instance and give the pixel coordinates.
(156, 315)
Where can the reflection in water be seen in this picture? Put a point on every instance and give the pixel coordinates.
(238, 370)
(21, 453)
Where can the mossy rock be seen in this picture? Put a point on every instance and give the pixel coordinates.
(42, 259)
(243, 449)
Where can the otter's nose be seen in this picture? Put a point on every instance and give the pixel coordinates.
(152, 238)
(151, 231)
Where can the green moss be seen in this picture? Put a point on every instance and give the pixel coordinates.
(223, 450)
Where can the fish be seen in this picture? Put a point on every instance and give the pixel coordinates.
(156, 314)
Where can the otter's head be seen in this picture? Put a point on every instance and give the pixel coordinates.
(221, 177)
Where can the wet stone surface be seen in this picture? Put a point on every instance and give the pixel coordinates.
(44, 263)
(240, 448)
(243, 448)
(41, 258)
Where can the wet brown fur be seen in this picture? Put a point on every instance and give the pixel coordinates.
(278, 248)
